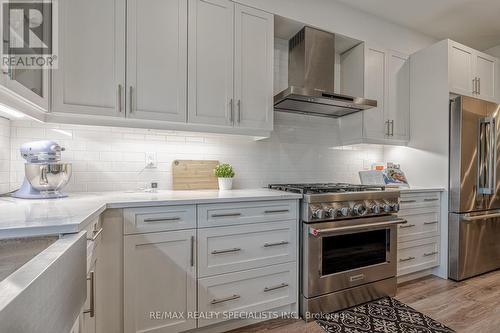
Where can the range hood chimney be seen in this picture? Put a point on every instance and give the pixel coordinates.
(311, 78)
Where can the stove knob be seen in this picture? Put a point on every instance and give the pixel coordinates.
(386, 207)
(332, 212)
(359, 209)
(375, 208)
(395, 207)
(344, 211)
(317, 213)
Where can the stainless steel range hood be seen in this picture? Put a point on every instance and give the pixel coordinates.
(311, 79)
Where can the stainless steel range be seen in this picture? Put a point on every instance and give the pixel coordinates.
(348, 245)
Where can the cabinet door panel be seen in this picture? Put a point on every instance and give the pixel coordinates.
(461, 71)
(159, 275)
(254, 31)
(91, 59)
(486, 71)
(210, 62)
(375, 88)
(157, 59)
(398, 109)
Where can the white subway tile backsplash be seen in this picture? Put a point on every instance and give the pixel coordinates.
(113, 158)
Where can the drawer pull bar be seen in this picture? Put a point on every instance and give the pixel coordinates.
(428, 254)
(276, 211)
(95, 235)
(236, 249)
(165, 219)
(283, 285)
(434, 222)
(227, 215)
(434, 199)
(275, 244)
(406, 259)
(408, 201)
(222, 300)
(91, 310)
(404, 226)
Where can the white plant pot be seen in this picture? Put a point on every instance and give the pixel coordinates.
(225, 184)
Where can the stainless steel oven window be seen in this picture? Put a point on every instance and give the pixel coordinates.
(350, 251)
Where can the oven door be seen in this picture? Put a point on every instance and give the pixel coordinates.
(344, 254)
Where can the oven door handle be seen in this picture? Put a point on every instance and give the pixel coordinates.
(369, 226)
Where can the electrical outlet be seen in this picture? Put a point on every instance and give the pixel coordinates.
(151, 162)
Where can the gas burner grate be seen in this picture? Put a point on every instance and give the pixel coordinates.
(318, 188)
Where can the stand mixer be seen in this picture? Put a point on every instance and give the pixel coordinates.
(45, 175)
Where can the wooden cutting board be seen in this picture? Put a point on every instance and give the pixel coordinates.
(194, 175)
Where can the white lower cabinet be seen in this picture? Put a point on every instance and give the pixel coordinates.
(253, 290)
(419, 238)
(159, 279)
(233, 265)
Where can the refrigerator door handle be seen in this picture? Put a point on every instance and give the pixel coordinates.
(486, 173)
(469, 218)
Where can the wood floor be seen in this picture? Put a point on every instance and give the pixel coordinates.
(471, 306)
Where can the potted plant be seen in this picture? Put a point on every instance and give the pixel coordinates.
(225, 173)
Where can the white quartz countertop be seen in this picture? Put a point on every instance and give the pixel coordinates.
(25, 218)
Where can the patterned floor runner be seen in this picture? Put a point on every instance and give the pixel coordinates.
(386, 315)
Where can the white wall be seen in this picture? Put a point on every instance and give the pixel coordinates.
(339, 18)
(4, 155)
(105, 158)
(494, 51)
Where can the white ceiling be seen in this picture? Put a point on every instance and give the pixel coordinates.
(475, 23)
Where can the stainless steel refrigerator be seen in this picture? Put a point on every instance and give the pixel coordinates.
(474, 210)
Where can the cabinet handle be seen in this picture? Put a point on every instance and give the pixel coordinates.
(276, 211)
(283, 285)
(387, 133)
(406, 259)
(392, 127)
(120, 98)
(275, 244)
(165, 219)
(404, 226)
(428, 223)
(239, 111)
(236, 249)
(231, 111)
(227, 215)
(429, 200)
(91, 310)
(474, 85)
(192, 251)
(479, 85)
(95, 235)
(428, 254)
(222, 300)
(408, 201)
(131, 99)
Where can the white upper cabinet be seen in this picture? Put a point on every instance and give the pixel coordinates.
(472, 73)
(386, 79)
(230, 65)
(397, 113)
(375, 88)
(157, 59)
(210, 65)
(253, 81)
(90, 79)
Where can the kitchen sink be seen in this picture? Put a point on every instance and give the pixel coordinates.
(14, 253)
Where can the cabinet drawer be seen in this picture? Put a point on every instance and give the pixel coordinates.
(212, 215)
(230, 249)
(420, 224)
(418, 255)
(254, 290)
(154, 219)
(416, 200)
